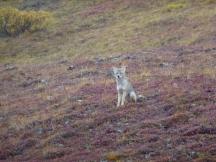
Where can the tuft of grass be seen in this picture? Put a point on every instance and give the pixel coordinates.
(208, 1)
(113, 156)
(210, 72)
(175, 6)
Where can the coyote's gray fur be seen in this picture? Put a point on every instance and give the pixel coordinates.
(124, 87)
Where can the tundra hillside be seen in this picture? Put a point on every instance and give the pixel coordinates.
(57, 95)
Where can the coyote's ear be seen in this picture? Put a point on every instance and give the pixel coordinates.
(114, 69)
(123, 68)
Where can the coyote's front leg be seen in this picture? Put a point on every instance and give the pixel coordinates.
(123, 98)
(119, 99)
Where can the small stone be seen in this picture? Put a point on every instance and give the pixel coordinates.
(10, 67)
(193, 154)
(67, 122)
(62, 61)
(71, 67)
(49, 98)
(39, 131)
(44, 81)
(79, 100)
(103, 161)
(164, 64)
(193, 105)
(147, 156)
(60, 145)
(119, 130)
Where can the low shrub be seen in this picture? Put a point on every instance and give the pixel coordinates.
(14, 21)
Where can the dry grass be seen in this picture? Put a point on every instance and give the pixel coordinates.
(90, 31)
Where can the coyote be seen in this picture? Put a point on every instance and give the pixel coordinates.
(124, 87)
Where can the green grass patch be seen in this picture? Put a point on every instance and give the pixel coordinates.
(175, 6)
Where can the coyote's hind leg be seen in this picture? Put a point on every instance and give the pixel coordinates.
(123, 98)
(133, 96)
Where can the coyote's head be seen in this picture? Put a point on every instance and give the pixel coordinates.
(119, 73)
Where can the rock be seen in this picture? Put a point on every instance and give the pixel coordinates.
(79, 100)
(75, 98)
(119, 130)
(193, 105)
(29, 83)
(44, 81)
(164, 64)
(53, 155)
(99, 60)
(50, 98)
(147, 156)
(71, 67)
(103, 161)
(39, 131)
(67, 122)
(68, 134)
(10, 67)
(63, 61)
(193, 154)
(60, 145)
